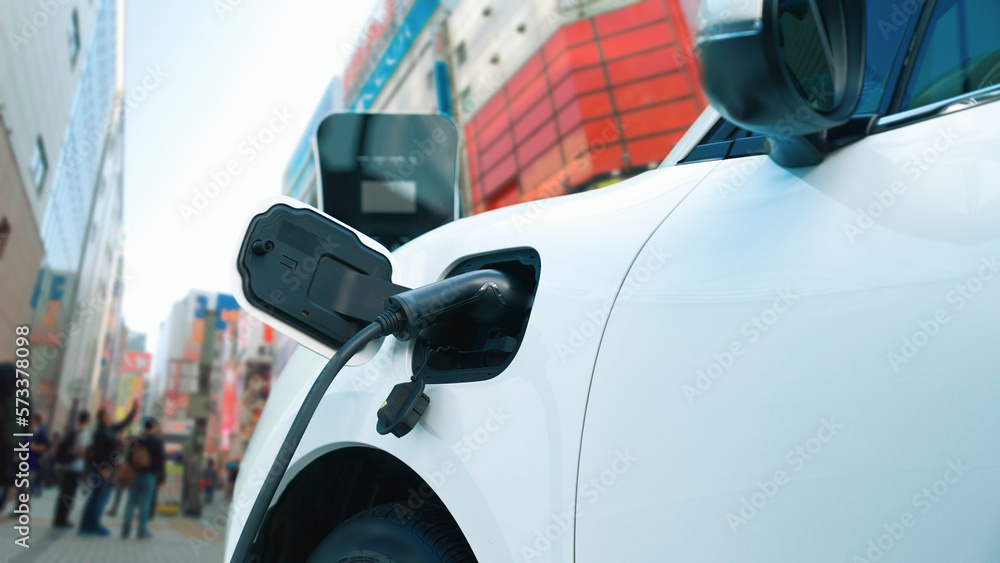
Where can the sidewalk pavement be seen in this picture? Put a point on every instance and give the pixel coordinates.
(175, 538)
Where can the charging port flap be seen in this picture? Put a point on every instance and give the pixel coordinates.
(317, 278)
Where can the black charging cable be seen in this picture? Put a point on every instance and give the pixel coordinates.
(485, 292)
(295, 432)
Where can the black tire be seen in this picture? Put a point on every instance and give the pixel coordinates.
(392, 533)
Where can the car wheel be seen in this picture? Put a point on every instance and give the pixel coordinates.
(392, 533)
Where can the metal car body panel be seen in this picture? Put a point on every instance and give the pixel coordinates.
(812, 376)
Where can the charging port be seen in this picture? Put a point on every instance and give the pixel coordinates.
(461, 349)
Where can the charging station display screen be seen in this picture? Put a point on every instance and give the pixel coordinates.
(388, 197)
(390, 176)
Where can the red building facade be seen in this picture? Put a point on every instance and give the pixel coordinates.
(604, 97)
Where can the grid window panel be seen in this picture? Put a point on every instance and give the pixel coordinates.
(549, 164)
(644, 65)
(630, 16)
(524, 75)
(532, 120)
(651, 91)
(537, 143)
(500, 174)
(497, 151)
(639, 39)
(659, 118)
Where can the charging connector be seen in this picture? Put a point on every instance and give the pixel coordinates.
(484, 294)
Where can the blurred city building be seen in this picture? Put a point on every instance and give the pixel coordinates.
(21, 249)
(65, 123)
(130, 380)
(178, 354)
(550, 96)
(248, 356)
(391, 68)
(111, 333)
(240, 381)
(135, 340)
(42, 61)
(126, 368)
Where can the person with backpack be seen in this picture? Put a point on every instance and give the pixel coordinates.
(102, 466)
(146, 460)
(71, 455)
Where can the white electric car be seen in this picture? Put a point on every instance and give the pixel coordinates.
(781, 345)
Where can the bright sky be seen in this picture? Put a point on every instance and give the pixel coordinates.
(213, 80)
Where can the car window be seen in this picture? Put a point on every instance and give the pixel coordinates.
(960, 52)
(889, 27)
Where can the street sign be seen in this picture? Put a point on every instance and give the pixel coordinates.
(136, 362)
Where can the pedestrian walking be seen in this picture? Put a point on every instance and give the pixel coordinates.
(37, 448)
(121, 479)
(71, 457)
(49, 478)
(146, 461)
(101, 469)
(209, 480)
(232, 470)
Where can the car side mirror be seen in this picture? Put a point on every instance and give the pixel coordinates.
(391, 176)
(311, 276)
(788, 69)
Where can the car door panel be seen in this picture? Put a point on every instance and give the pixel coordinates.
(813, 373)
